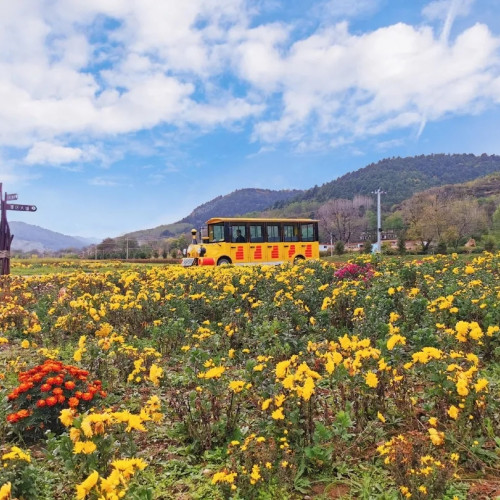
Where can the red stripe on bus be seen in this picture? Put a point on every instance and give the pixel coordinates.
(239, 253)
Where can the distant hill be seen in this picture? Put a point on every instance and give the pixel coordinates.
(28, 237)
(487, 187)
(239, 202)
(400, 178)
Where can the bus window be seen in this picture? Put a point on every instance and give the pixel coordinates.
(256, 234)
(290, 232)
(273, 233)
(307, 232)
(238, 234)
(216, 233)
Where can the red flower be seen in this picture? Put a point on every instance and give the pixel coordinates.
(13, 395)
(51, 401)
(69, 385)
(87, 396)
(57, 391)
(12, 418)
(45, 387)
(41, 403)
(73, 402)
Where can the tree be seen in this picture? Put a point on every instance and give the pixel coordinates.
(108, 248)
(465, 219)
(340, 218)
(402, 243)
(394, 221)
(422, 215)
(440, 217)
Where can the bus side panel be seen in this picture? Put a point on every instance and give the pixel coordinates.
(239, 253)
(256, 253)
(274, 251)
(290, 250)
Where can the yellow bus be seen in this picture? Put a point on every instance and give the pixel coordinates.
(228, 240)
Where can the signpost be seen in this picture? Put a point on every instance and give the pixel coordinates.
(5, 236)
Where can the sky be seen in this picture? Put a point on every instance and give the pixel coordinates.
(121, 115)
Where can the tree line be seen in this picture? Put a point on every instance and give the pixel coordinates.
(436, 219)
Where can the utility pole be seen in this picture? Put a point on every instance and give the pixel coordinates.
(378, 248)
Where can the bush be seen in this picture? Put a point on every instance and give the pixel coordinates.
(441, 248)
(339, 247)
(387, 250)
(44, 391)
(489, 244)
(402, 245)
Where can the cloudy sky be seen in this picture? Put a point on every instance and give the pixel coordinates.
(119, 115)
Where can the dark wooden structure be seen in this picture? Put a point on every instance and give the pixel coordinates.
(5, 236)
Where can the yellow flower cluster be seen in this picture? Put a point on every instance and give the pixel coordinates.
(114, 486)
(16, 453)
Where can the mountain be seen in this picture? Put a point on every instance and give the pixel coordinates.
(400, 178)
(28, 237)
(239, 202)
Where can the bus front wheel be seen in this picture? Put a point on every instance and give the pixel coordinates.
(223, 261)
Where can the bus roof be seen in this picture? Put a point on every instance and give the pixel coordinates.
(215, 220)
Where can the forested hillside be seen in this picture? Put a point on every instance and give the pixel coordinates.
(400, 178)
(481, 188)
(239, 202)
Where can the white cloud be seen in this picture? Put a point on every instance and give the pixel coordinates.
(52, 154)
(441, 9)
(14, 176)
(336, 83)
(150, 63)
(74, 72)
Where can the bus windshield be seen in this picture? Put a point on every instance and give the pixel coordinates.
(216, 233)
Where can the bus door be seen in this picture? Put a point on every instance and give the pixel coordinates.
(239, 246)
(256, 247)
(273, 245)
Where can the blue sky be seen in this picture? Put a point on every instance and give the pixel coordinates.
(124, 115)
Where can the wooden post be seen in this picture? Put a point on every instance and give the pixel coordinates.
(5, 236)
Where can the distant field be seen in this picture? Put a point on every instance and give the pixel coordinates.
(31, 267)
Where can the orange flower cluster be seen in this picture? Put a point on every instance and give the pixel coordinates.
(50, 387)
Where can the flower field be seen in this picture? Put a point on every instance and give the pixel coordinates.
(373, 379)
